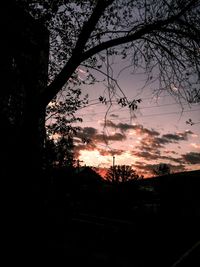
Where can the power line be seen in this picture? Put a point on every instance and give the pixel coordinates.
(97, 99)
(170, 113)
(144, 107)
(156, 114)
(140, 108)
(143, 98)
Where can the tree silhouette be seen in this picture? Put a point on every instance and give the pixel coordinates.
(60, 115)
(122, 173)
(59, 153)
(162, 169)
(160, 37)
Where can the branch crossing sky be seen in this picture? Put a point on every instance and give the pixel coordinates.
(157, 132)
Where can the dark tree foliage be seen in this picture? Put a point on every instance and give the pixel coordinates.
(159, 37)
(60, 119)
(59, 153)
(162, 169)
(122, 173)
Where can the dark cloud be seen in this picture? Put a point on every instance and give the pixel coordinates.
(177, 136)
(114, 116)
(116, 137)
(177, 160)
(160, 141)
(87, 133)
(125, 127)
(152, 144)
(109, 123)
(88, 138)
(106, 138)
(146, 155)
(192, 158)
(139, 129)
(170, 152)
(104, 152)
(148, 169)
(83, 140)
(90, 131)
(91, 134)
(173, 137)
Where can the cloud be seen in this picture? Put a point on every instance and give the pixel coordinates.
(192, 158)
(146, 155)
(87, 133)
(148, 169)
(106, 138)
(114, 116)
(138, 128)
(152, 147)
(177, 136)
(116, 152)
(109, 123)
(153, 143)
(177, 160)
(116, 137)
(91, 134)
(170, 152)
(88, 138)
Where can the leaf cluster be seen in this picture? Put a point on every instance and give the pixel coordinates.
(122, 173)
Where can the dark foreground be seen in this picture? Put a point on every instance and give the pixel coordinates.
(96, 224)
(92, 241)
(126, 226)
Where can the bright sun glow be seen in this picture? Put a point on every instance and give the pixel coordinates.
(94, 158)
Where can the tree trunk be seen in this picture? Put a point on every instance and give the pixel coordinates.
(23, 70)
(24, 189)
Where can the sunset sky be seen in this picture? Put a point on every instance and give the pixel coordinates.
(156, 132)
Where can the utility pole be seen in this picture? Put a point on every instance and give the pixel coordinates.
(113, 161)
(113, 168)
(78, 164)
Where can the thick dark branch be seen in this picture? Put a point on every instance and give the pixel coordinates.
(79, 56)
(164, 48)
(75, 59)
(118, 41)
(146, 29)
(90, 25)
(109, 32)
(51, 91)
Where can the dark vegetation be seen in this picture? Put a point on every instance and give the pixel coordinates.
(48, 208)
(137, 222)
(122, 173)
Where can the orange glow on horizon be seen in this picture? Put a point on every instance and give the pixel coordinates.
(101, 163)
(96, 159)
